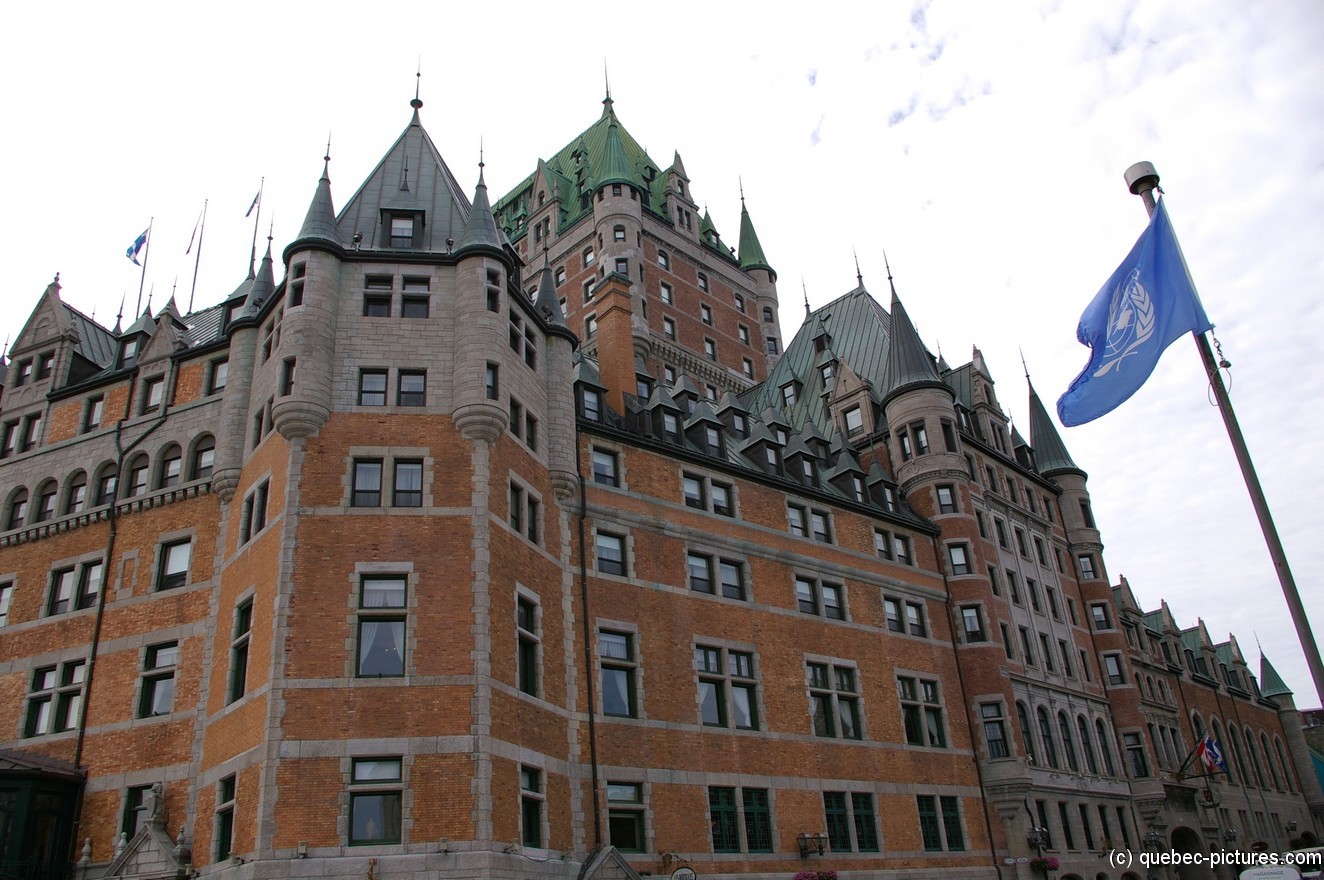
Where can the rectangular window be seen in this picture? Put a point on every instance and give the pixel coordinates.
(157, 695)
(411, 388)
(1112, 669)
(940, 835)
(959, 555)
(606, 467)
(610, 550)
(706, 314)
(1099, 614)
(669, 328)
(901, 550)
(492, 381)
(851, 824)
(528, 639)
(727, 688)
(96, 407)
(1068, 835)
(372, 388)
(834, 701)
(374, 801)
(1086, 566)
(758, 819)
(381, 626)
(820, 597)
(224, 818)
(175, 558)
(153, 394)
(921, 711)
(376, 305)
(625, 816)
(55, 698)
(946, 499)
(6, 599)
(367, 486)
(135, 810)
(616, 654)
(74, 588)
(995, 732)
(915, 624)
(407, 490)
(532, 798)
(724, 819)
(239, 639)
(710, 349)
(973, 623)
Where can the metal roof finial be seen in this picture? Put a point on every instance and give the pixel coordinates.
(805, 290)
(418, 80)
(740, 181)
(888, 266)
(859, 278)
(1023, 365)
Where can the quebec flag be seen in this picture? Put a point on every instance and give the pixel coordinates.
(1210, 754)
(1146, 304)
(132, 250)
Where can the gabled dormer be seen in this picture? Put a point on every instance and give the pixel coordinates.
(133, 341)
(704, 430)
(733, 416)
(846, 474)
(665, 416)
(882, 488)
(685, 393)
(802, 462)
(764, 449)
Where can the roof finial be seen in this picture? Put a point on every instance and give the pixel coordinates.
(5, 352)
(888, 266)
(270, 229)
(57, 279)
(740, 181)
(606, 101)
(404, 179)
(1023, 365)
(481, 164)
(418, 80)
(805, 290)
(119, 319)
(546, 260)
(326, 159)
(859, 278)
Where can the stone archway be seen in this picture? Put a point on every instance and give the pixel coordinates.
(1186, 840)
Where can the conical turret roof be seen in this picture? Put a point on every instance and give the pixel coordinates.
(320, 221)
(751, 252)
(263, 286)
(480, 231)
(908, 363)
(1271, 683)
(1050, 453)
(548, 305)
(616, 165)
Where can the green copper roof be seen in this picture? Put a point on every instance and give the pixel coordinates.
(751, 252)
(1271, 683)
(1050, 453)
(861, 337)
(605, 152)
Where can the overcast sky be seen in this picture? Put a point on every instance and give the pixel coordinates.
(981, 144)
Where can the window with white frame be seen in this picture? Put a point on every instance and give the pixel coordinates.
(381, 626)
(376, 795)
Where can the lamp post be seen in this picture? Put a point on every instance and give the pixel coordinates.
(1153, 842)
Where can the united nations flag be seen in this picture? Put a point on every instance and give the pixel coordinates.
(1146, 304)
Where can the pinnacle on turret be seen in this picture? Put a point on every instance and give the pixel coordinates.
(908, 363)
(1049, 451)
(548, 304)
(480, 230)
(264, 285)
(751, 252)
(616, 167)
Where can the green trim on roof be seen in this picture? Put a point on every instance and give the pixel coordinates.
(1271, 683)
(1050, 453)
(751, 252)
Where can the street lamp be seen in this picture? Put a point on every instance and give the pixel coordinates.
(1038, 840)
(1153, 840)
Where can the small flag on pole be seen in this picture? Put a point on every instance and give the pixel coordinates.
(257, 198)
(133, 249)
(1210, 754)
(1146, 304)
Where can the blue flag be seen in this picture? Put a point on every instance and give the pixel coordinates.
(1210, 754)
(1146, 304)
(132, 252)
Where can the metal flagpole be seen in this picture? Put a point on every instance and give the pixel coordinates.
(142, 276)
(1143, 179)
(202, 232)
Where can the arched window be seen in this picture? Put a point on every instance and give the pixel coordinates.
(203, 459)
(1068, 742)
(1268, 760)
(1046, 731)
(107, 482)
(1105, 750)
(1023, 716)
(703, 285)
(136, 482)
(1255, 759)
(18, 509)
(44, 509)
(1197, 724)
(170, 469)
(75, 496)
(1086, 746)
(1283, 765)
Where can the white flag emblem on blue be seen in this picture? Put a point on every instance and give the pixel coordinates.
(132, 251)
(1146, 304)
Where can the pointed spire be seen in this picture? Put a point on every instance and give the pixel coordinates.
(547, 303)
(416, 103)
(1050, 453)
(805, 290)
(908, 364)
(119, 318)
(606, 101)
(751, 252)
(1271, 683)
(263, 286)
(859, 277)
(320, 221)
(480, 230)
(888, 267)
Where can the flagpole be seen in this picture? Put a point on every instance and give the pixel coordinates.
(252, 256)
(1142, 179)
(202, 232)
(142, 276)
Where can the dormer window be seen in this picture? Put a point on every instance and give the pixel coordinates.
(129, 353)
(788, 394)
(854, 421)
(405, 229)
